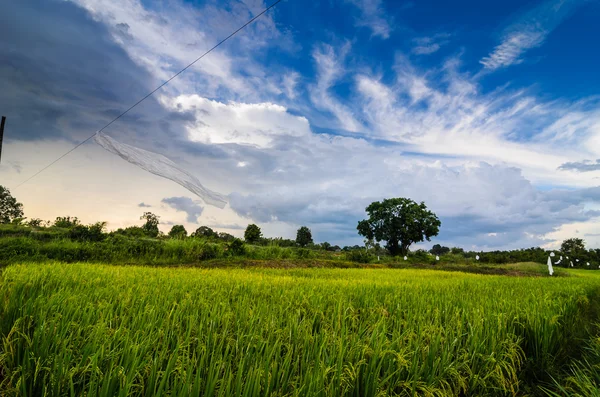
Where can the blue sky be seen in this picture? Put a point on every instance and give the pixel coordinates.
(488, 112)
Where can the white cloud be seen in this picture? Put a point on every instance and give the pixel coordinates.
(444, 113)
(529, 32)
(169, 36)
(373, 17)
(255, 124)
(430, 44)
(330, 68)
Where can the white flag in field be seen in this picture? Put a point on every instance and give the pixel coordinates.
(550, 269)
(158, 164)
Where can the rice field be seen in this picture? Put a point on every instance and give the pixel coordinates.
(100, 330)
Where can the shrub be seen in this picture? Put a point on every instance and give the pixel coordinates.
(359, 256)
(209, 251)
(236, 247)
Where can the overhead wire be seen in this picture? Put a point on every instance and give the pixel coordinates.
(151, 92)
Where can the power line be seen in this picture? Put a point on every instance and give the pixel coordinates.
(150, 93)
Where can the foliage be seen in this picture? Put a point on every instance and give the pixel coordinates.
(66, 222)
(225, 237)
(400, 222)
(117, 331)
(37, 222)
(236, 247)
(10, 208)
(178, 231)
(131, 231)
(252, 234)
(93, 232)
(573, 247)
(209, 251)
(304, 236)
(151, 225)
(359, 256)
(204, 231)
(439, 250)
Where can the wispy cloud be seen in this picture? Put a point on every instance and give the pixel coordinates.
(185, 204)
(330, 68)
(430, 44)
(144, 205)
(373, 17)
(582, 166)
(530, 31)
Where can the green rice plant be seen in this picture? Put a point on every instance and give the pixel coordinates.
(97, 330)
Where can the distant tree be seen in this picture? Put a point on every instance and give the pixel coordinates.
(304, 236)
(225, 237)
(204, 231)
(325, 246)
(252, 234)
(66, 222)
(94, 232)
(131, 231)
(439, 250)
(400, 222)
(178, 232)
(151, 224)
(573, 247)
(10, 208)
(37, 222)
(457, 251)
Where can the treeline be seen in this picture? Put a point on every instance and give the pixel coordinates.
(68, 240)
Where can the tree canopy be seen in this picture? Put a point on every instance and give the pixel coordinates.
(252, 233)
(10, 208)
(178, 231)
(304, 236)
(204, 231)
(573, 246)
(400, 222)
(151, 225)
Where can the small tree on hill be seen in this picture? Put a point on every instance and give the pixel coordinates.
(178, 231)
(399, 221)
(304, 236)
(151, 225)
(252, 234)
(10, 208)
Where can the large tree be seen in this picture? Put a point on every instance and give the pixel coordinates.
(304, 236)
(400, 222)
(573, 246)
(10, 208)
(204, 231)
(178, 232)
(252, 233)
(151, 225)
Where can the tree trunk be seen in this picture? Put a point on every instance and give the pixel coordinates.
(393, 247)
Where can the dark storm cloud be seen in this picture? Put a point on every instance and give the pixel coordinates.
(62, 76)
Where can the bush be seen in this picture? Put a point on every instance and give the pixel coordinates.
(236, 247)
(359, 256)
(303, 253)
(209, 251)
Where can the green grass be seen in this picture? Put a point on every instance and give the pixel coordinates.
(98, 330)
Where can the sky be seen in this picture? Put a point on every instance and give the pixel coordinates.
(489, 112)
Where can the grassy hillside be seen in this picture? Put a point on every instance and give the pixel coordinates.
(97, 330)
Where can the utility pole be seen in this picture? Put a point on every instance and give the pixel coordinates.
(1, 136)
